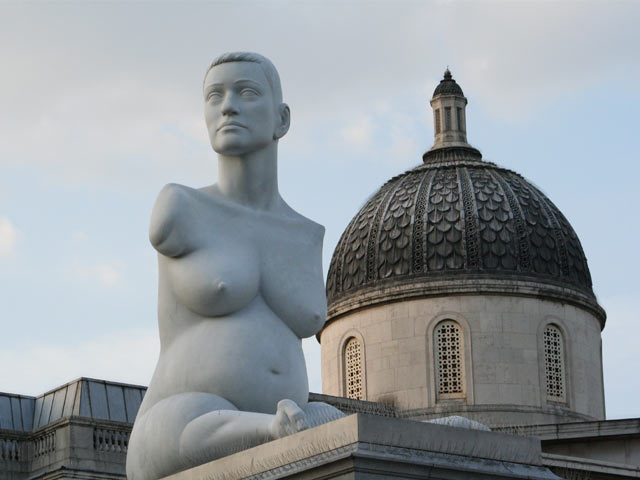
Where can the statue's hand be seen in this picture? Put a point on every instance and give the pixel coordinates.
(289, 419)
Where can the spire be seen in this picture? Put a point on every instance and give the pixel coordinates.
(449, 115)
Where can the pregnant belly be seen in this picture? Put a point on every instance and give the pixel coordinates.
(251, 359)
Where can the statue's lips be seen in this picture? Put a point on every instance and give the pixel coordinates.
(231, 124)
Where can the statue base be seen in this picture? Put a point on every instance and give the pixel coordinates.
(371, 447)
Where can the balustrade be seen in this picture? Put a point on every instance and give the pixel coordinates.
(110, 440)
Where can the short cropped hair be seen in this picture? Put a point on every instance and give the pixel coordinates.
(267, 67)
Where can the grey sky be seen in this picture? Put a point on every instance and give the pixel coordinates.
(100, 105)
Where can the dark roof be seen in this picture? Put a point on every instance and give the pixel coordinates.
(454, 217)
(84, 397)
(448, 86)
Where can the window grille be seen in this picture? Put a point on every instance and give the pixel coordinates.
(437, 113)
(449, 359)
(353, 369)
(447, 118)
(554, 363)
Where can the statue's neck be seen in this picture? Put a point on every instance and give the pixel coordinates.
(251, 180)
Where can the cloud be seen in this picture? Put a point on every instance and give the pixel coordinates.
(79, 237)
(358, 134)
(521, 56)
(108, 128)
(108, 274)
(385, 134)
(92, 111)
(125, 356)
(9, 237)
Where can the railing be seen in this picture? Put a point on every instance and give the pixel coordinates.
(10, 449)
(44, 444)
(110, 440)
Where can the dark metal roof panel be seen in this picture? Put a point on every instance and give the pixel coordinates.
(98, 400)
(6, 417)
(37, 412)
(84, 408)
(70, 399)
(47, 402)
(132, 399)
(27, 405)
(16, 413)
(58, 404)
(115, 398)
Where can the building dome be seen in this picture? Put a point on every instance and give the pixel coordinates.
(448, 86)
(459, 288)
(456, 223)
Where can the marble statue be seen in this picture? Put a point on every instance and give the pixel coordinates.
(240, 284)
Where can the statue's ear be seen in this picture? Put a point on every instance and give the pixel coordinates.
(284, 116)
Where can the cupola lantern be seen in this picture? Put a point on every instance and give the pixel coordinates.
(449, 118)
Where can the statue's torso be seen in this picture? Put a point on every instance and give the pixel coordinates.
(234, 302)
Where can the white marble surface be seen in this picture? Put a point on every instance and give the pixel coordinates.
(240, 284)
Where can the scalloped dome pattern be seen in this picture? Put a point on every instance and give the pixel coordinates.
(445, 219)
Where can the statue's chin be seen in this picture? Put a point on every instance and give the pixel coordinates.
(238, 147)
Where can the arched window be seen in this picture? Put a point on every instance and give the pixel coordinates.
(437, 120)
(353, 375)
(448, 349)
(554, 363)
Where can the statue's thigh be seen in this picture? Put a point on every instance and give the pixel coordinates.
(154, 446)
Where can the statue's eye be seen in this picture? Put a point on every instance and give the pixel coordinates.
(214, 96)
(248, 92)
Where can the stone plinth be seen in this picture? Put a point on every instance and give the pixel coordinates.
(369, 447)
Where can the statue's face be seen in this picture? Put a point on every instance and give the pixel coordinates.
(239, 108)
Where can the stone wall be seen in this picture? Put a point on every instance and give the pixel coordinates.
(73, 447)
(503, 368)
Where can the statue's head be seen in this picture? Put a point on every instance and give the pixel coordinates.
(243, 103)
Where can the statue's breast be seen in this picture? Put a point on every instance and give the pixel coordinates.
(291, 275)
(216, 279)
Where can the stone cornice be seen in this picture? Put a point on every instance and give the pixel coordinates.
(460, 409)
(421, 287)
(628, 427)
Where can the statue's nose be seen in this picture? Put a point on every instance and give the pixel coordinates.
(229, 106)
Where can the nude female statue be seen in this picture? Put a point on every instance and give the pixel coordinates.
(240, 284)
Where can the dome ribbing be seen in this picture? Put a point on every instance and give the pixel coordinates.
(456, 221)
(457, 225)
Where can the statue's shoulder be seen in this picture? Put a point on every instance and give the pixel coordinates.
(173, 194)
(313, 230)
(173, 202)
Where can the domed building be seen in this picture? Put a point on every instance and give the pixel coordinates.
(459, 288)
